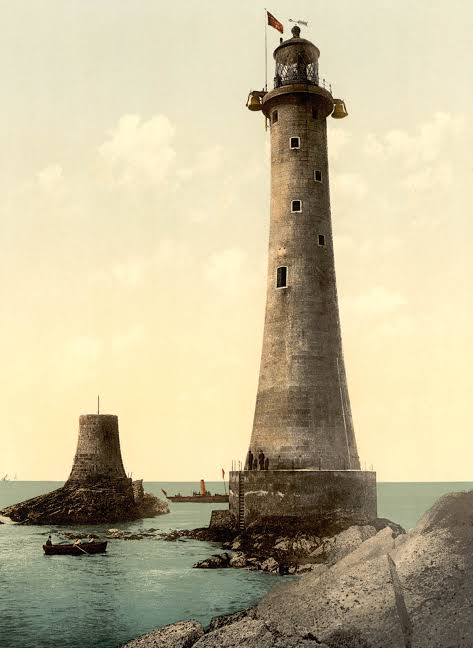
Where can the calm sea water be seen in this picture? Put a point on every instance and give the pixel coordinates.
(103, 601)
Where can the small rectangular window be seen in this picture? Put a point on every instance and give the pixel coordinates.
(322, 240)
(274, 116)
(296, 206)
(281, 277)
(295, 142)
(317, 175)
(315, 113)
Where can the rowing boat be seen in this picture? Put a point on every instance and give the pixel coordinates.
(75, 550)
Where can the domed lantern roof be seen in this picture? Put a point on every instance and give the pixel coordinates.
(297, 61)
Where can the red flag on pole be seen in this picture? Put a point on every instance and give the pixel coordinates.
(274, 22)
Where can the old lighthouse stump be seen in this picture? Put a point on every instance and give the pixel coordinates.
(98, 490)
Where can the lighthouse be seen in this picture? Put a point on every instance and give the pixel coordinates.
(302, 464)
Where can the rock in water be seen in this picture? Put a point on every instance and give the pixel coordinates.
(152, 506)
(270, 565)
(238, 560)
(217, 561)
(89, 503)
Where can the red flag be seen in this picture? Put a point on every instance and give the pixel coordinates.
(274, 22)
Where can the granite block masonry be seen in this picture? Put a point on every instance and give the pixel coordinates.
(97, 490)
(98, 455)
(303, 454)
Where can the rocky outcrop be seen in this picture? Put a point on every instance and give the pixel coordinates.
(228, 619)
(151, 506)
(389, 591)
(435, 573)
(88, 503)
(255, 633)
(179, 635)
(297, 553)
(217, 561)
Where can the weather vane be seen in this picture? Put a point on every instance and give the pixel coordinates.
(299, 22)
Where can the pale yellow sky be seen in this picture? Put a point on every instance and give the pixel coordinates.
(134, 217)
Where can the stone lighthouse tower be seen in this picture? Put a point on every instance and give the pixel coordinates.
(302, 462)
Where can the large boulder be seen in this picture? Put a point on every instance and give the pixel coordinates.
(227, 619)
(334, 549)
(178, 635)
(435, 571)
(255, 633)
(356, 603)
(392, 591)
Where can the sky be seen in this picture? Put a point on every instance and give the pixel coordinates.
(134, 214)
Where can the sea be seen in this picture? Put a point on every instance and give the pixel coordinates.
(103, 601)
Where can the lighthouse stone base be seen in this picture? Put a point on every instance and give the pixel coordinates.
(322, 501)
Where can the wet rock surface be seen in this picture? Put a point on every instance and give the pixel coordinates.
(94, 503)
(377, 588)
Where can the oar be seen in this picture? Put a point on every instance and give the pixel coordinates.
(78, 545)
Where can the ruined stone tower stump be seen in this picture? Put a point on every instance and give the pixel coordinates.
(98, 490)
(98, 456)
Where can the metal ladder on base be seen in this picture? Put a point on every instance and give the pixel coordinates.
(241, 503)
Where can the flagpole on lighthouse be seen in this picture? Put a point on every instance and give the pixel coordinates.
(224, 484)
(265, 48)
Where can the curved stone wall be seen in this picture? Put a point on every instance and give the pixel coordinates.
(320, 500)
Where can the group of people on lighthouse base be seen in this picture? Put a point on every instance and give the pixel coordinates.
(257, 463)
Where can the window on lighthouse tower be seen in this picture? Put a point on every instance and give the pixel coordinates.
(295, 142)
(296, 206)
(281, 277)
